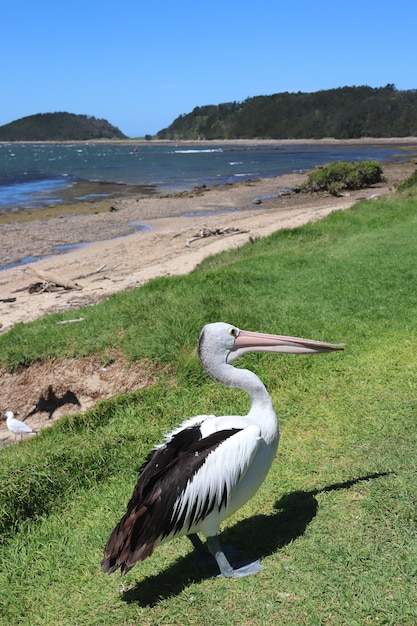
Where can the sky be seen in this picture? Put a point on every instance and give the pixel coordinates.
(140, 64)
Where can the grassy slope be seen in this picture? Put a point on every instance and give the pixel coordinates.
(335, 522)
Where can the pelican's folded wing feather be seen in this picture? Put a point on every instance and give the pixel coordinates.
(178, 486)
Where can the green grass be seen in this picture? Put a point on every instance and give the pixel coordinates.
(335, 521)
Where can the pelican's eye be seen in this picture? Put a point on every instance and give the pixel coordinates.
(233, 331)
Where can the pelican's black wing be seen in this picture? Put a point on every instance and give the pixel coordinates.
(163, 478)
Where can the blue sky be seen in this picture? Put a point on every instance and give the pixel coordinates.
(141, 64)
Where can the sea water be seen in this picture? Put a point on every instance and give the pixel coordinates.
(34, 175)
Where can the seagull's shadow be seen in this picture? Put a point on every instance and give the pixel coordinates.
(268, 533)
(49, 402)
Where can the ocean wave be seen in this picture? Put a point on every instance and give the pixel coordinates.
(198, 151)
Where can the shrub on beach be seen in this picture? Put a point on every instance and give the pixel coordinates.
(335, 177)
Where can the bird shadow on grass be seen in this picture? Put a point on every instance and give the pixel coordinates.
(268, 533)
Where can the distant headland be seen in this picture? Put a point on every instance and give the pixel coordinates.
(59, 127)
(345, 113)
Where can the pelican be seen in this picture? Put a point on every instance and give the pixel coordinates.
(16, 426)
(209, 466)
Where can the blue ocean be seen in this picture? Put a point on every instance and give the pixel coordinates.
(34, 175)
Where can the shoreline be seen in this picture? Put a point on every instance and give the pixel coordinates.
(84, 195)
(112, 258)
(37, 232)
(141, 141)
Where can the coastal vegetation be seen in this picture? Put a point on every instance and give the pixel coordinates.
(344, 175)
(59, 127)
(343, 113)
(335, 521)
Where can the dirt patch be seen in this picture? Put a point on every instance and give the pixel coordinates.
(42, 393)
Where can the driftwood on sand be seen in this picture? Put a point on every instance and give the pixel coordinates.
(97, 271)
(51, 282)
(54, 279)
(207, 232)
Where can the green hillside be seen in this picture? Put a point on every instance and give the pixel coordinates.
(343, 113)
(59, 127)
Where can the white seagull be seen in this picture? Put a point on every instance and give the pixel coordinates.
(210, 466)
(16, 426)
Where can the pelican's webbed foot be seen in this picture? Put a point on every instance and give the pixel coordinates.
(226, 570)
(245, 570)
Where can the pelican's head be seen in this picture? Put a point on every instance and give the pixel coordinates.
(225, 343)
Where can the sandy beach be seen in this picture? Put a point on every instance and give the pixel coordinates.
(174, 234)
(123, 245)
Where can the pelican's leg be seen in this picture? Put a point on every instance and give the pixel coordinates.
(205, 556)
(225, 568)
(198, 545)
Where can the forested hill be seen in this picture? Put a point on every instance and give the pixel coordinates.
(343, 113)
(59, 127)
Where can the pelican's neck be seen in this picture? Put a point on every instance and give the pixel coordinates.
(261, 409)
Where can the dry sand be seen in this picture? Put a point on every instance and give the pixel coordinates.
(117, 261)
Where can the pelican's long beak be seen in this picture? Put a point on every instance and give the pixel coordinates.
(247, 341)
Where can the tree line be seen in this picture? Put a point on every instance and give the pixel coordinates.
(342, 113)
(59, 127)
